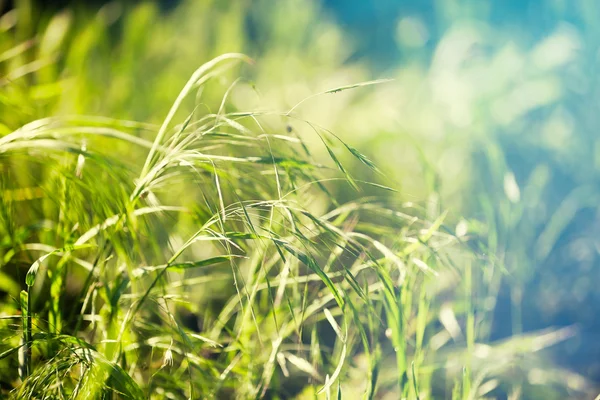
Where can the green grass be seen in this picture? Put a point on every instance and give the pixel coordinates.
(227, 251)
(216, 267)
(119, 247)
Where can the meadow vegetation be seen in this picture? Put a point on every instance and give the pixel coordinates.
(181, 221)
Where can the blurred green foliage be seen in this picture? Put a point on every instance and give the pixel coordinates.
(500, 104)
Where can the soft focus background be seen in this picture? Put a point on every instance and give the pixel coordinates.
(491, 116)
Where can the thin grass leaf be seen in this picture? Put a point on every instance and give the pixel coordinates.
(337, 371)
(302, 365)
(312, 264)
(33, 270)
(340, 89)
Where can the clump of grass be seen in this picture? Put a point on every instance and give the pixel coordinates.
(217, 266)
